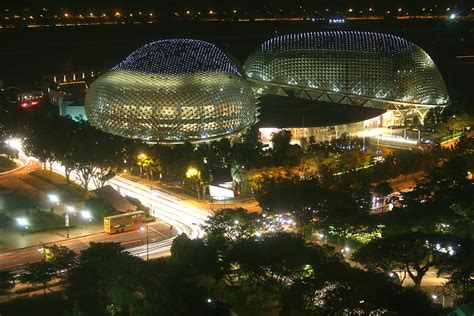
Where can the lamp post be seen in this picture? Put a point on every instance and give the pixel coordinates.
(87, 216)
(146, 228)
(43, 250)
(195, 175)
(54, 199)
(23, 223)
(66, 219)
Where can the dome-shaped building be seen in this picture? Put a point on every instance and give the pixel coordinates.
(172, 91)
(352, 67)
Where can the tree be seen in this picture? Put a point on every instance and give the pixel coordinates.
(60, 257)
(38, 273)
(315, 206)
(412, 253)
(341, 290)
(7, 281)
(459, 122)
(383, 189)
(459, 269)
(104, 275)
(172, 289)
(5, 221)
(271, 261)
(229, 225)
(194, 254)
(194, 175)
(99, 207)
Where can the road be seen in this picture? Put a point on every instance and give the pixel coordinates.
(174, 211)
(171, 211)
(158, 232)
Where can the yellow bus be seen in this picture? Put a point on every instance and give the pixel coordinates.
(123, 222)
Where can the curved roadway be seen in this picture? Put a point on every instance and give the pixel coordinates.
(170, 209)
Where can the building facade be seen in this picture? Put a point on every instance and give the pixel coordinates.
(172, 91)
(351, 67)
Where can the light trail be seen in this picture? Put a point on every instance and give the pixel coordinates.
(181, 216)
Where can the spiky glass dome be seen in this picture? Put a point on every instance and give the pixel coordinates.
(358, 65)
(172, 91)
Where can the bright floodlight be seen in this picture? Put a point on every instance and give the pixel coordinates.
(22, 221)
(453, 16)
(86, 215)
(70, 208)
(14, 143)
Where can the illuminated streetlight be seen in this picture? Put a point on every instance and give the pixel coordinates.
(66, 218)
(192, 172)
(23, 223)
(14, 143)
(86, 216)
(143, 229)
(53, 198)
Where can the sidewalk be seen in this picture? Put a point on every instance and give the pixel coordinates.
(12, 239)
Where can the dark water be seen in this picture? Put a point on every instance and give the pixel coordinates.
(28, 54)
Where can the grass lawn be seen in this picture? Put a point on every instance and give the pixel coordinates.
(6, 164)
(69, 191)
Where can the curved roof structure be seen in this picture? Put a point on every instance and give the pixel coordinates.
(364, 65)
(172, 91)
(178, 57)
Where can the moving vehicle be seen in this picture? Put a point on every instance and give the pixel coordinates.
(123, 222)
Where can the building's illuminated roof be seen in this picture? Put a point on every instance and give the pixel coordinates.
(351, 63)
(172, 91)
(178, 57)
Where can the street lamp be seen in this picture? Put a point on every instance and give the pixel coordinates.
(195, 174)
(66, 218)
(86, 215)
(43, 249)
(142, 229)
(23, 223)
(53, 198)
